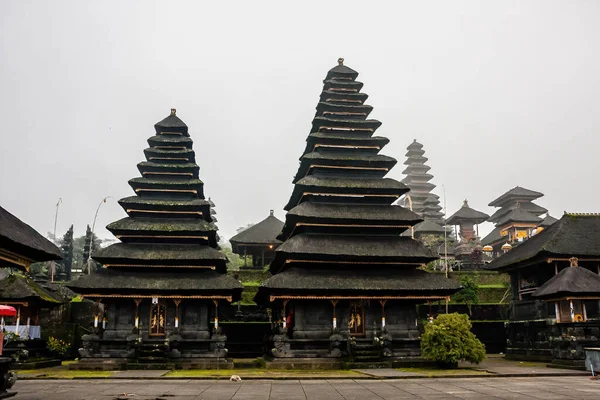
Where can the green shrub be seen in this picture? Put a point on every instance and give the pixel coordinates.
(448, 340)
(58, 346)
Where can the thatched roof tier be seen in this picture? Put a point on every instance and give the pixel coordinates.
(342, 85)
(356, 283)
(136, 206)
(524, 205)
(352, 251)
(574, 235)
(416, 168)
(325, 217)
(328, 96)
(171, 124)
(170, 142)
(380, 191)
(428, 227)
(372, 165)
(23, 241)
(492, 237)
(22, 288)
(547, 221)
(120, 283)
(162, 171)
(160, 227)
(339, 141)
(466, 213)
(361, 111)
(188, 188)
(518, 215)
(341, 71)
(571, 282)
(263, 233)
(359, 127)
(516, 193)
(135, 255)
(169, 155)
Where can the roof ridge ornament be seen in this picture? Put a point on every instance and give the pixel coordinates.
(173, 111)
(271, 212)
(574, 262)
(465, 203)
(340, 61)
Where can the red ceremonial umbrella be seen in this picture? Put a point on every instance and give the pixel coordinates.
(7, 311)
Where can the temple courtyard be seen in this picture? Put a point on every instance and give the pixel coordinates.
(558, 387)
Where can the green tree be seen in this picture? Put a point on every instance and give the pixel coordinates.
(85, 251)
(448, 339)
(469, 294)
(66, 247)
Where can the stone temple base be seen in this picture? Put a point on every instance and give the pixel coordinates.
(116, 364)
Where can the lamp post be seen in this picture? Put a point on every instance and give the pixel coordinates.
(52, 264)
(89, 260)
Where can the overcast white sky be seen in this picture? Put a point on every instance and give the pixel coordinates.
(500, 93)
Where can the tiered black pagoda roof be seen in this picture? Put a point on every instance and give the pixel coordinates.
(169, 239)
(417, 179)
(547, 221)
(264, 233)
(466, 213)
(574, 235)
(432, 209)
(20, 244)
(342, 232)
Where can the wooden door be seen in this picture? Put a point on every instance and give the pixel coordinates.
(356, 322)
(158, 317)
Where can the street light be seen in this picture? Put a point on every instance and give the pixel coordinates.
(52, 264)
(89, 260)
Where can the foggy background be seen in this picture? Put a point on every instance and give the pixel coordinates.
(500, 93)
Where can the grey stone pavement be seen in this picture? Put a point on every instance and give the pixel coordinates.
(547, 388)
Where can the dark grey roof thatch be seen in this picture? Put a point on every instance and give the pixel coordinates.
(374, 212)
(171, 123)
(518, 215)
(571, 281)
(197, 282)
(20, 238)
(356, 282)
(351, 249)
(428, 227)
(516, 193)
(17, 287)
(265, 232)
(158, 253)
(546, 222)
(492, 237)
(574, 235)
(523, 205)
(160, 225)
(466, 213)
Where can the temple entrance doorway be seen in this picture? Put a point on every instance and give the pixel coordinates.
(356, 321)
(158, 317)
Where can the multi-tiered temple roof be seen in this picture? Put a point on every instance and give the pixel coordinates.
(342, 232)
(417, 179)
(169, 239)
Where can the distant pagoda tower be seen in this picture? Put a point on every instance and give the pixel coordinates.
(343, 269)
(468, 220)
(165, 279)
(516, 219)
(417, 179)
(432, 210)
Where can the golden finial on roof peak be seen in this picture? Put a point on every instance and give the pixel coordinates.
(173, 111)
(574, 261)
(340, 61)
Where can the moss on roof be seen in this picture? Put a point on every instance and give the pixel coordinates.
(163, 225)
(18, 286)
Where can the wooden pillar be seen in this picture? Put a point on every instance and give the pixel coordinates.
(334, 303)
(216, 302)
(177, 302)
(584, 311)
(557, 311)
(447, 300)
(284, 314)
(555, 268)
(572, 311)
(137, 312)
(382, 302)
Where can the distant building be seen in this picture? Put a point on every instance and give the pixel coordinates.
(259, 242)
(555, 285)
(516, 219)
(468, 250)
